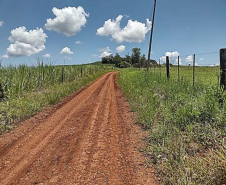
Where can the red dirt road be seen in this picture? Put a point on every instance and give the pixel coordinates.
(89, 138)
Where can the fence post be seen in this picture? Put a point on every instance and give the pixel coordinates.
(167, 67)
(1, 92)
(194, 70)
(223, 68)
(178, 68)
(160, 67)
(62, 75)
(81, 71)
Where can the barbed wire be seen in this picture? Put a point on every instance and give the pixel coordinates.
(213, 52)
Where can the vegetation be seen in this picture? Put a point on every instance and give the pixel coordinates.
(135, 60)
(28, 90)
(186, 124)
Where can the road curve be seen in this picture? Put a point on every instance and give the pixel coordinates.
(89, 138)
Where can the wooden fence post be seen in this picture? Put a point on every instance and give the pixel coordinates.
(167, 67)
(194, 70)
(178, 68)
(223, 68)
(62, 75)
(81, 71)
(1, 92)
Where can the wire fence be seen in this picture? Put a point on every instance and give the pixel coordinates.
(200, 68)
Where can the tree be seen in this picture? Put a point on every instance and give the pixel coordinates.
(117, 59)
(128, 59)
(143, 61)
(107, 60)
(135, 56)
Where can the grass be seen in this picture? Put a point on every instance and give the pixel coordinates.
(186, 124)
(29, 90)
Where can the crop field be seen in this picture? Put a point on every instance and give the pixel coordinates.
(186, 124)
(30, 89)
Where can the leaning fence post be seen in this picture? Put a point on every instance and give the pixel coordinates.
(194, 70)
(178, 68)
(223, 68)
(167, 67)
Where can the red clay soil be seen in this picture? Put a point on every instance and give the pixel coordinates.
(89, 138)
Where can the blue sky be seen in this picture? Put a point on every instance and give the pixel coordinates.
(182, 27)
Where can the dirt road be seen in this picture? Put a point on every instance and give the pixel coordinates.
(89, 138)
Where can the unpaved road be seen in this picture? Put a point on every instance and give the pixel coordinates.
(89, 138)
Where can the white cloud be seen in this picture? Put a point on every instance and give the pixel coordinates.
(120, 48)
(201, 59)
(189, 60)
(1, 23)
(47, 55)
(26, 43)
(66, 50)
(68, 20)
(134, 31)
(69, 58)
(78, 42)
(5, 56)
(105, 52)
(173, 57)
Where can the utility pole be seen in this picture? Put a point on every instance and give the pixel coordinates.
(152, 29)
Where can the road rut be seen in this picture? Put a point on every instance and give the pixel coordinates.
(89, 138)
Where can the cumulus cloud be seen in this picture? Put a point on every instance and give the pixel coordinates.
(26, 43)
(47, 55)
(78, 42)
(189, 60)
(5, 56)
(121, 48)
(66, 50)
(173, 57)
(68, 20)
(134, 31)
(1, 23)
(105, 52)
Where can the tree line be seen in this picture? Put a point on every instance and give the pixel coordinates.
(134, 60)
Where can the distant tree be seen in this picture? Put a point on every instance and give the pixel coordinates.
(143, 61)
(153, 62)
(135, 56)
(117, 59)
(123, 64)
(128, 59)
(108, 60)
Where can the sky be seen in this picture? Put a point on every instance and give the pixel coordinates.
(83, 31)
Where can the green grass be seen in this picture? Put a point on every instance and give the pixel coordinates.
(30, 89)
(186, 124)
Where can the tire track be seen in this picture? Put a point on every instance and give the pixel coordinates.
(89, 140)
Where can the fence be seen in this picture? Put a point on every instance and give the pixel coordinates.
(216, 73)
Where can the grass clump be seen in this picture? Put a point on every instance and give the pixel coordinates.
(186, 124)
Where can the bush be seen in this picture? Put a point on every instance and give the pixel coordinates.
(122, 64)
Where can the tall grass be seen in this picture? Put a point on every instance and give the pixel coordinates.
(186, 124)
(29, 89)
